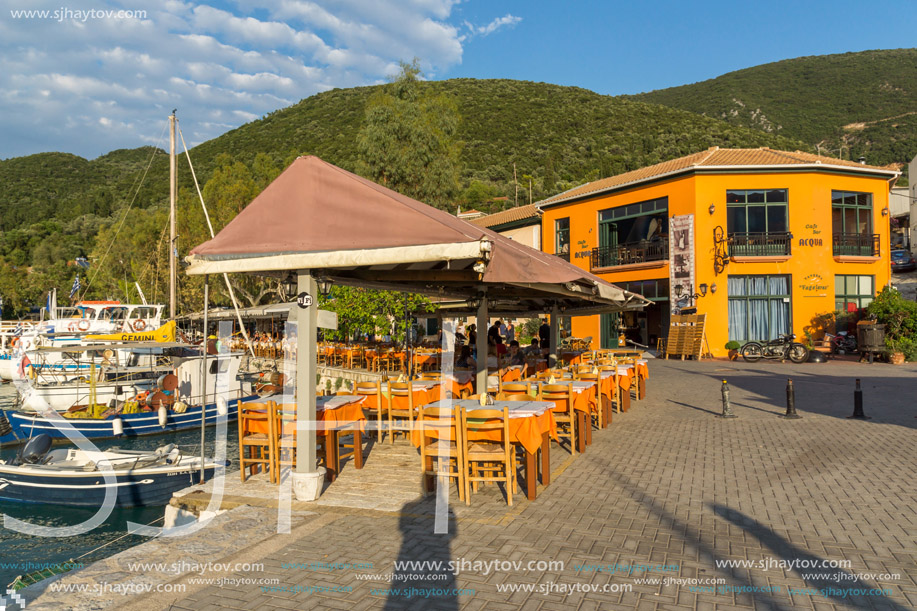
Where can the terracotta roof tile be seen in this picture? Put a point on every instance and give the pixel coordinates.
(512, 215)
(712, 157)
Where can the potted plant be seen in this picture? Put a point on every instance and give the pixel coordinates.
(733, 348)
(895, 349)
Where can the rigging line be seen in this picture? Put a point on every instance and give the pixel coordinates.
(232, 294)
(155, 255)
(98, 266)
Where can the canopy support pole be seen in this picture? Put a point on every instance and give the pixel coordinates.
(307, 478)
(481, 343)
(552, 342)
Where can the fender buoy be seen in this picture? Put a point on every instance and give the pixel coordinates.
(117, 427)
(84, 324)
(139, 325)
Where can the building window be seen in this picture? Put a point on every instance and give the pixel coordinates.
(562, 238)
(654, 290)
(635, 233)
(759, 307)
(756, 223)
(851, 220)
(852, 293)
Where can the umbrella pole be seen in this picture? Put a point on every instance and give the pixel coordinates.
(552, 342)
(307, 478)
(481, 343)
(204, 374)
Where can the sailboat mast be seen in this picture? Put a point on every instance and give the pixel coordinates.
(173, 192)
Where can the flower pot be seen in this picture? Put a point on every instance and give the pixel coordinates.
(733, 355)
(896, 358)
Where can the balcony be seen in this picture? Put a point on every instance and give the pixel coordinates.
(631, 253)
(760, 244)
(856, 244)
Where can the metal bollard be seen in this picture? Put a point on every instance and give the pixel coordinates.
(727, 408)
(858, 404)
(790, 401)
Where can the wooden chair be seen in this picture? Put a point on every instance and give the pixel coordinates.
(380, 411)
(283, 417)
(598, 418)
(516, 391)
(441, 449)
(562, 397)
(431, 375)
(256, 434)
(616, 395)
(401, 420)
(487, 461)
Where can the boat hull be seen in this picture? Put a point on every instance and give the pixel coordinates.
(25, 425)
(134, 489)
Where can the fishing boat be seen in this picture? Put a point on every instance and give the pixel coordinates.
(74, 477)
(177, 403)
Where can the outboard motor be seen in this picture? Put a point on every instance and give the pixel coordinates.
(35, 450)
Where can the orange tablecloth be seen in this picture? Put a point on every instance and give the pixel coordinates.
(512, 373)
(527, 431)
(326, 419)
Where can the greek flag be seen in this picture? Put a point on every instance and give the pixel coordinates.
(76, 286)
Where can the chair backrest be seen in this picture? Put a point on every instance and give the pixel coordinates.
(438, 422)
(402, 389)
(283, 414)
(484, 420)
(367, 388)
(517, 391)
(431, 375)
(253, 412)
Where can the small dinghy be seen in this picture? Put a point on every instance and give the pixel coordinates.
(70, 476)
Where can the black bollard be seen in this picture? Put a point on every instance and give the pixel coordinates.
(727, 408)
(858, 404)
(790, 401)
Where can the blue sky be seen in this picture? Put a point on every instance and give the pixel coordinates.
(90, 82)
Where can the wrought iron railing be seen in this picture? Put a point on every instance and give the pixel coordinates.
(856, 244)
(760, 244)
(630, 253)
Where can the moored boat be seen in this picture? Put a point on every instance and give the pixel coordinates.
(70, 476)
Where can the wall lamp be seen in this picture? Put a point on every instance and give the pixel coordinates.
(885, 211)
(680, 291)
(289, 284)
(712, 208)
(324, 285)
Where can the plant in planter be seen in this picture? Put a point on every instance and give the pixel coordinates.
(733, 348)
(899, 316)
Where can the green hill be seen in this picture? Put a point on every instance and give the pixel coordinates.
(850, 104)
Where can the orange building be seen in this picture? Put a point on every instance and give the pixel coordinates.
(762, 241)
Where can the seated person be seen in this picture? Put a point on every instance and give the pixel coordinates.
(501, 347)
(492, 361)
(533, 350)
(465, 361)
(515, 355)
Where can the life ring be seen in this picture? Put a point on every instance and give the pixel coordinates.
(83, 325)
(72, 326)
(15, 342)
(139, 325)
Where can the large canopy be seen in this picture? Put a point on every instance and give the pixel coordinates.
(353, 231)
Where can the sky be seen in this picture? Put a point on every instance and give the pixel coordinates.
(90, 77)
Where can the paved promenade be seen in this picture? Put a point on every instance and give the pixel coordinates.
(670, 508)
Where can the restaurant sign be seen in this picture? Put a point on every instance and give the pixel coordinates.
(304, 300)
(681, 258)
(812, 286)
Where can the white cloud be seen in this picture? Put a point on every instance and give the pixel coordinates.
(496, 24)
(90, 86)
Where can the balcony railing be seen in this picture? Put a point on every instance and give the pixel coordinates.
(760, 244)
(630, 253)
(856, 244)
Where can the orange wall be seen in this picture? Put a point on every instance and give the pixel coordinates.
(809, 212)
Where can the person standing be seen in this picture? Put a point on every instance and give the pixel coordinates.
(494, 330)
(510, 334)
(544, 333)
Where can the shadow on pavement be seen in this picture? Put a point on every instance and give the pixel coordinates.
(839, 590)
(421, 578)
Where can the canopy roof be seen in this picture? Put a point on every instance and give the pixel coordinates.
(316, 216)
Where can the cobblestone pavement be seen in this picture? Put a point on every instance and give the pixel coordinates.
(669, 489)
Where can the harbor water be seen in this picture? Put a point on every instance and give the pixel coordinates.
(21, 554)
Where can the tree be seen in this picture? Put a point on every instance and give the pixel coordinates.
(408, 140)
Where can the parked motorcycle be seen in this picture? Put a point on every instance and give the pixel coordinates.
(781, 348)
(842, 343)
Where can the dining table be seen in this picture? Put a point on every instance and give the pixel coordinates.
(334, 414)
(531, 425)
(585, 403)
